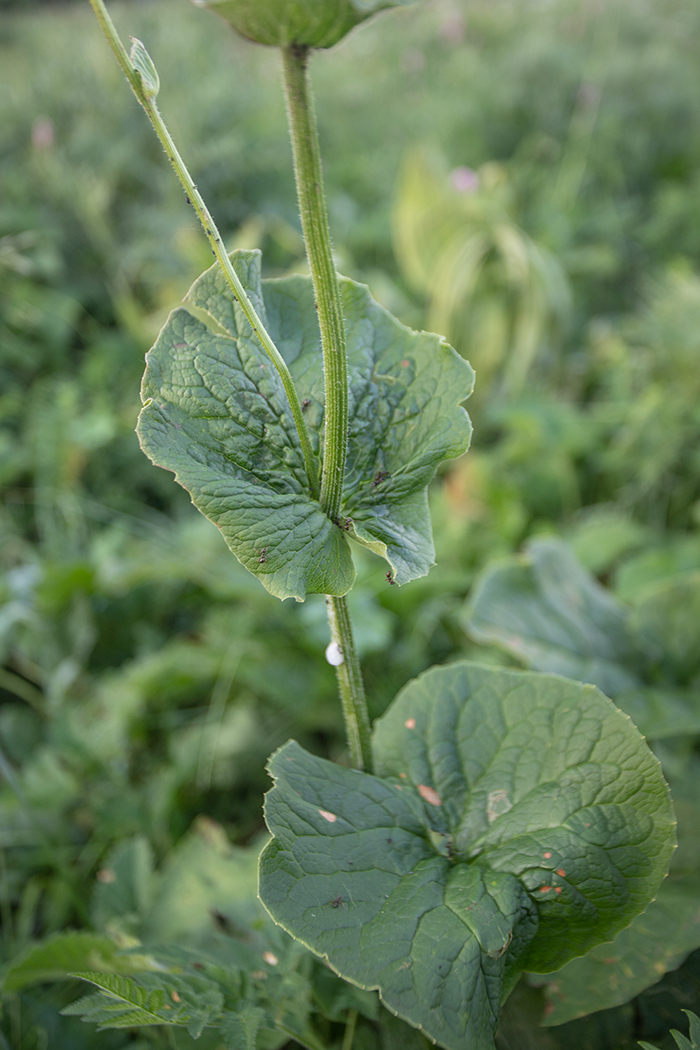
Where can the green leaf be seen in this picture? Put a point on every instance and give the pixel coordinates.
(612, 974)
(543, 607)
(125, 1002)
(215, 413)
(314, 23)
(694, 1042)
(240, 1030)
(662, 712)
(667, 620)
(57, 956)
(657, 941)
(203, 876)
(516, 820)
(681, 1041)
(124, 888)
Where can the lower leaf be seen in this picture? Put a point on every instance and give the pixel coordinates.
(518, 820)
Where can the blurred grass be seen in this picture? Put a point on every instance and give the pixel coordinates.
(145, 675)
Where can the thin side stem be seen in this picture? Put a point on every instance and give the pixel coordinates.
(217, 245)
(314, 223)
(349, 1033)
(350, 685)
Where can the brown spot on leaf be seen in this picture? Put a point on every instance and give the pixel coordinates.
(410, 723)
(429, 794)
(330, 817)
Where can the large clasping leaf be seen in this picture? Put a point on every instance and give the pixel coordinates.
(216, 414)
(516, 820)
(306, 23)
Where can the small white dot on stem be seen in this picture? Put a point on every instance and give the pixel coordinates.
(334, 655)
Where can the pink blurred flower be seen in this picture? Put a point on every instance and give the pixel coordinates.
(464, 180)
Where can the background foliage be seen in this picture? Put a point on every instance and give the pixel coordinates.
(146, 677)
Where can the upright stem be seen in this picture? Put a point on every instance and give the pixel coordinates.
(314, 223)
(194, 198)
(350, 685)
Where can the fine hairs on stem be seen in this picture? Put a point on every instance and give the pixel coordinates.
(314, 223)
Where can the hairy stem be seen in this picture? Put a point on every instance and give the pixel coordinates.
(194, 197)
(350, 685)
(314, 223)
(317, 237)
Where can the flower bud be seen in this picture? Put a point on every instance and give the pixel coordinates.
(143, 64)
(305, 23)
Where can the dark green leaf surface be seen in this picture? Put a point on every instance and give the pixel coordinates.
(515, 820)
(544, 607)
(657, 941)
(314, 23)
(215, 413)
(612, 974)
(667, 620)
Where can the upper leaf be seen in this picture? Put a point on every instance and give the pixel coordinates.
(215, 413)
(516, 821)
(308, 23)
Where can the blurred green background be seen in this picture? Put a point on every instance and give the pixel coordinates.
(522, 175)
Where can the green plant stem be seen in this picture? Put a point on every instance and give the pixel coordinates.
(214, 238)
(317, 237)
(14, 683)
(314, 223)
(350, 685)
(349, 1034)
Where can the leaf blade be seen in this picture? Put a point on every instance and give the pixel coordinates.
(215, 413)
(437, 880)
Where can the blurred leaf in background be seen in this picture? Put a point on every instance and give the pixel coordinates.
(499, 297)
